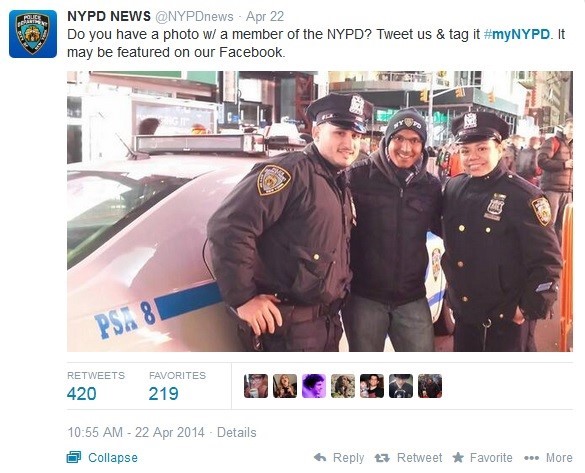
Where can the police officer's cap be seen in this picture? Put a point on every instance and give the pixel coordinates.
(345, 111)
(479, 126)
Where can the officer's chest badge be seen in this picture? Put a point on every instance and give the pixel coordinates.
(542, 211)
(495, 207)
(272, 179)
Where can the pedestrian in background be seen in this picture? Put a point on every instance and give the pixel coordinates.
(512, 150)
(527, 162)
(555, 158)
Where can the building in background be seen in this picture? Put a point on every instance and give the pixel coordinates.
(550, 98)
(260, 98)
(443, 95)
(105, 108)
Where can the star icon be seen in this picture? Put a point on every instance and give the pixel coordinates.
(458, 458)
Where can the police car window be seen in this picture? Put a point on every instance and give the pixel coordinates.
(99, 205)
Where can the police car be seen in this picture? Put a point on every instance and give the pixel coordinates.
(436, 284)
(138, 274)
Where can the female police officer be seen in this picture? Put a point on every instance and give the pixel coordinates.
(502, 259)
(280, 240)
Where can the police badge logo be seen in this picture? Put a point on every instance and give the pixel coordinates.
(357, 105)
(470, 120)
(32, 34)
(32, 30)
(408, 122)
(542, 210)
(495, 207)
(272, 179)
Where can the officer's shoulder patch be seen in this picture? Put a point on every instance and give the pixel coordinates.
(542, 211)
(272, 179)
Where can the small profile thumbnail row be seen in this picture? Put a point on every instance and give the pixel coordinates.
(314, 385)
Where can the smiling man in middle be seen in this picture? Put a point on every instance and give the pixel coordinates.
(397, 201)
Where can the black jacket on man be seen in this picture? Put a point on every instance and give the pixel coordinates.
(284, 229)
(552, 156)
(501, 250)
(388, 244)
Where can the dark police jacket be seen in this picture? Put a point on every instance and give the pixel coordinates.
(501, 250)
(284, 229)
(388, 244)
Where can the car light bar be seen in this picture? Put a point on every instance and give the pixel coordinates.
(249, 143)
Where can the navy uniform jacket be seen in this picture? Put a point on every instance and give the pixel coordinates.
(501, 250)
(284, 229)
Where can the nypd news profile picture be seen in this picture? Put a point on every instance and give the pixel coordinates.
(32, 34)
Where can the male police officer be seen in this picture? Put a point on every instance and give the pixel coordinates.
(280, 240)
(502, 259)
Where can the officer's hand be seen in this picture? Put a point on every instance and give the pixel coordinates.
(569, 164)
(518, 317)
(261, 313)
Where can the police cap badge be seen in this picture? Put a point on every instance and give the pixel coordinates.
(479, 126)
(345, 111)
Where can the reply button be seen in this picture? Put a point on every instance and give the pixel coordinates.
(351, 458)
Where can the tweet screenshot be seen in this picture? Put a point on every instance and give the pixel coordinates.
(301, 236)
